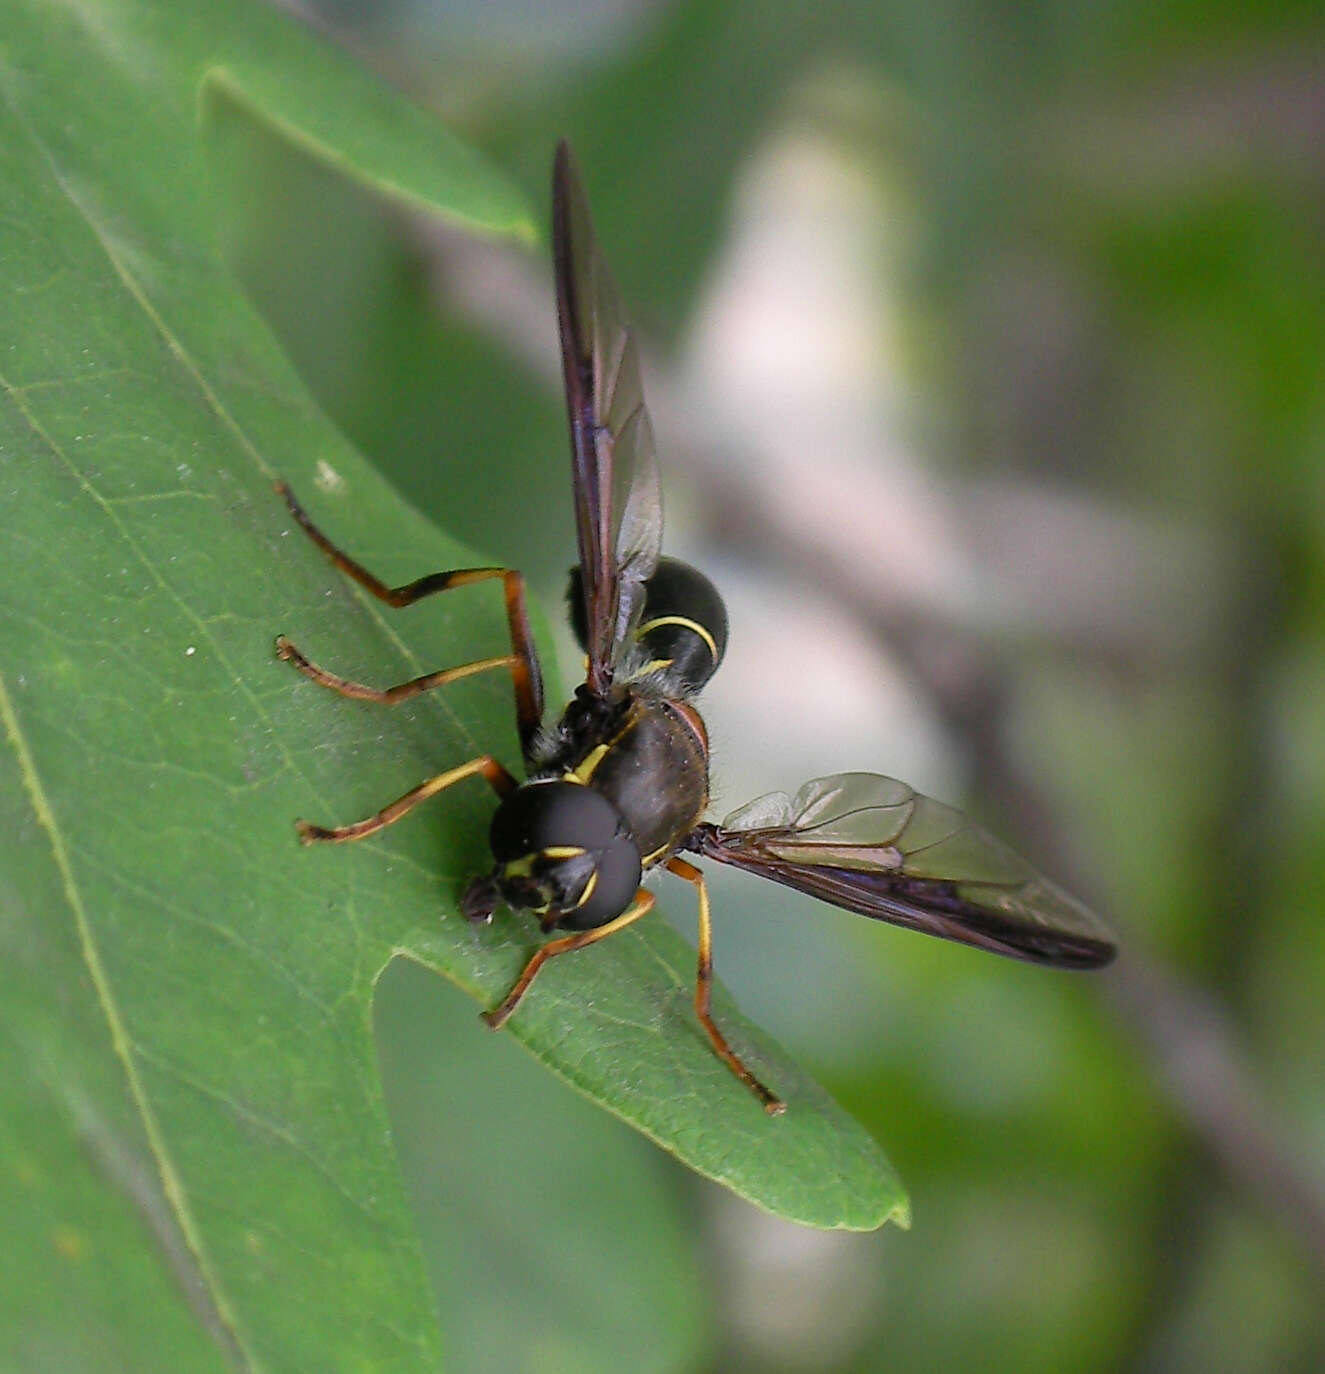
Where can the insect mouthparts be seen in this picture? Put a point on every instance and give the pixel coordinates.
(479, 900)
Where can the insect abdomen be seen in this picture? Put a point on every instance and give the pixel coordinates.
(683, 627)
(682, 631)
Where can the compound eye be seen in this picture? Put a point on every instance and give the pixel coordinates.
(552, 815)
(557, 830)
(609, 891)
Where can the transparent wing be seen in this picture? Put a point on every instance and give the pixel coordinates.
(874, 845)
(618, 503)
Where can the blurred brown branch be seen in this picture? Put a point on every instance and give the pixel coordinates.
(1190, 1042)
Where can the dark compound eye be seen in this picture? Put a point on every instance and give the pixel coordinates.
(615, 882)
(552, 815)
(559, 825)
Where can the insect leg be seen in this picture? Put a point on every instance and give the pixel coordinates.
(526, 676)
(502, 783)
(641, 906)
(389, 696)
(773, 1105)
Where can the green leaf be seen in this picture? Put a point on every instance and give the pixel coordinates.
(193, 1081)
(553, 1233)
(104, 1262)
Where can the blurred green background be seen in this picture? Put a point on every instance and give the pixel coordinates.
(984, 344)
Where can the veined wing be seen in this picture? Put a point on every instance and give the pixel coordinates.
(618, 506)
(874, 845)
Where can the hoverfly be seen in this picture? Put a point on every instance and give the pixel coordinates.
(619, 784)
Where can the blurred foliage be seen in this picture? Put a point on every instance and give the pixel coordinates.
(1116, 293)
(550, 1231)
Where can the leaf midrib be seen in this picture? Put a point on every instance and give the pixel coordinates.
(220, 1318)
(224, 1326)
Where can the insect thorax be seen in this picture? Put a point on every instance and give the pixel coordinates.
(648, 756)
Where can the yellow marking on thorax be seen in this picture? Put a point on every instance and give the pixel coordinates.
(584, 770)
(686, 623)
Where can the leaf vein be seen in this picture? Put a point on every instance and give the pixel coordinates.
(224, 1326)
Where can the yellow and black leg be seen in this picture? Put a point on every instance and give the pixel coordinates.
(641, 906)
(522, 661)
(773, 1105)
(502, 783)
(387, 696)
